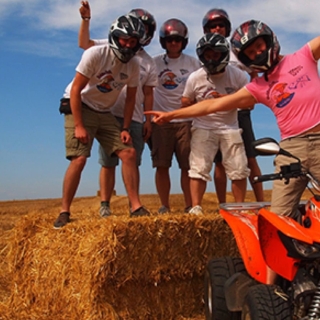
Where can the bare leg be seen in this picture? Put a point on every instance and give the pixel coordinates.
(220, 181)
(255, 171)
(239, 188)
(163, 185)
(130, 176)
(107, 182)
(197, 188)
(185, 186)
(71, 181)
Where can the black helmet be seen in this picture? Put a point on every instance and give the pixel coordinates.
(245, 35)
(147, 19)
(214, 14)
(173, 27)
(216, 42)
(126, 26)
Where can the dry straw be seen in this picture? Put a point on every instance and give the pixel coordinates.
(115, 268)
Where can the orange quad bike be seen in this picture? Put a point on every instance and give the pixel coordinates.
(278, 274)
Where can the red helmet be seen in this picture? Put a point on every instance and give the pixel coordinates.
(173, 27)
(245, 35)
(214, 14)
(147, 19)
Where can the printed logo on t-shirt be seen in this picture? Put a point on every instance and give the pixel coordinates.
(280, 95)
(105, 85)
(296, 70)
(211, 93)
(168, 79)
(123, 76)
(184, 71)
(229, 90)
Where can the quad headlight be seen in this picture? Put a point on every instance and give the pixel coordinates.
(306, 250)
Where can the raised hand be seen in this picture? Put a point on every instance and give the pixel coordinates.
(85, 10)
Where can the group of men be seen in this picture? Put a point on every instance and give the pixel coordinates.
(118, 87)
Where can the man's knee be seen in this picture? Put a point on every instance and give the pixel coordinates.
(127, 155)
(78, 161)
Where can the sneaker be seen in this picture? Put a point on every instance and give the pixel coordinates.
(163, 210)
(105, 211)
(187, 209)
(142, 211)
(62, 220)
(196, 210)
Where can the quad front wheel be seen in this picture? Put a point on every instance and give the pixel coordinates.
(266, 302)
(217, 273)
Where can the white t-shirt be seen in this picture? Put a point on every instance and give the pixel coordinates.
(200, 86)
(107, 76)
(148, 77)
(172, 77)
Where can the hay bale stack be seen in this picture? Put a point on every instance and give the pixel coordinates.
(140, 268)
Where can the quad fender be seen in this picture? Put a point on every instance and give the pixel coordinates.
(244, 228)
(273, 250)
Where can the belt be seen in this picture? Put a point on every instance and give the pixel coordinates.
(87, 107)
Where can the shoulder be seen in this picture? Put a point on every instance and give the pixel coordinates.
(158, 57)
(98, 49)
(144, 56)
(192, 77)
(134, 62)
(97, 53)
(198, 73)
(236, 73)
(190, 58)
(191, 62)
(98, 42)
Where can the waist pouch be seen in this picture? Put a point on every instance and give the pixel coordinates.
(65, 106)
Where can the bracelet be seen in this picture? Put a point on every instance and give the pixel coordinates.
(85, 18)
(125, 129)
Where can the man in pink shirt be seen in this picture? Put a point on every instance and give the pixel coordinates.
(289, 86)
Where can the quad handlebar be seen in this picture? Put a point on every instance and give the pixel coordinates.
(269, 146)
(293, 170)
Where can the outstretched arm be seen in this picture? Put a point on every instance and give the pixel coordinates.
(84, 40)
(241, 99)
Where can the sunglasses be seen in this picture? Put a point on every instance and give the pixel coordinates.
(175, 39)
(215, 25)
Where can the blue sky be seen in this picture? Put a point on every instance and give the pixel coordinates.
(39, 53)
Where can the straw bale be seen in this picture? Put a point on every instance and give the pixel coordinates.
(140, 268)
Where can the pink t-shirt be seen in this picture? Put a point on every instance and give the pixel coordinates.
(292, 92)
